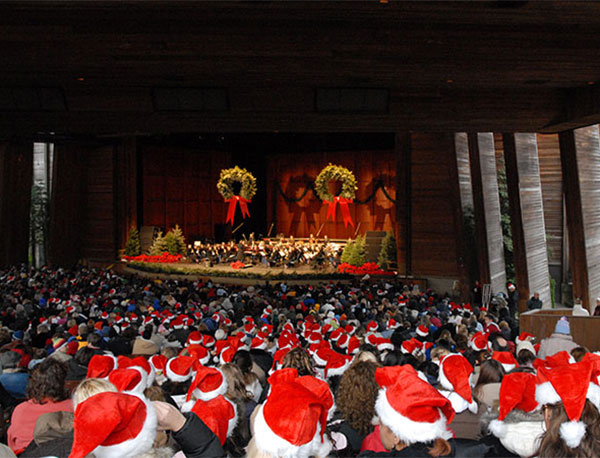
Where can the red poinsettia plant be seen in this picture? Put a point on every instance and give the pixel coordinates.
(163, 258)
(237, 265)
(370, 268)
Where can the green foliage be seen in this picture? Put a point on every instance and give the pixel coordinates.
(505, 221)
(355, 251)
(159, 245)
(133, 247)
(335, 173)
(387, 253)
(236, 174)
(175, 241)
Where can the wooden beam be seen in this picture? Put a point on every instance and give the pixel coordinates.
(16, 174)
(486, 206)
(580, 157)
(581, 108)
(403, 203)
(527, 217)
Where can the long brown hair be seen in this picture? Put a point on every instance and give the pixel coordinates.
(491, 371)
(356, 396)
(298, 358)
(552, 445)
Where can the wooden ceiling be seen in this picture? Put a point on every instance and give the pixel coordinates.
(444, 66)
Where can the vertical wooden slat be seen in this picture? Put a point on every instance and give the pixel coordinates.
(580, 157)
(527, 217)
(403, 203)
(16, 175)
(486, 206)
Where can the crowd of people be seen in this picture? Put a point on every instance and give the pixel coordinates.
(277, 252)
(95, 364)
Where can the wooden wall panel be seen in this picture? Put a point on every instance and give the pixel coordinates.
(435, 246)
(16, 175)
(552, 192)
(486, 202)
(294, 172)
(179, 187)
(527, 217)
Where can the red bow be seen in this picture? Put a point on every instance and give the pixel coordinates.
(232, 204)
(343, 207)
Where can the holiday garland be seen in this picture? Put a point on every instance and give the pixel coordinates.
(335, 173)
(236, 174)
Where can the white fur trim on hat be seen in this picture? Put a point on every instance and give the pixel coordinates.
(208, 395)
(385, 346)
(269, 442)
(498, 428)
(407, 430)
(508, 367)
(546, 394)
(133, 447)
(337, 370)
(459, 404)
(572, 433)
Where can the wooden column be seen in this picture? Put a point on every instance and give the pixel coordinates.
(486, 206)
(67, 216)
(126, 190)
(403, 203)
(16, 174)
(527, 218)
(580, 157)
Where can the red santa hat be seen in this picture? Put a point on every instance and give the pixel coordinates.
(200, 353)
(343, 341)
(506, 358)
(523, 337)
(569, 384)
(142, 362)
(249, 328)
(335, 335)
(195, 338)
(336, 364)
(372, 339)
(479, 341)
(314, 338)
(350, 329)
(516, 392)
(411, 346)
(278, 357)
(258, 344)
(308, 404)
(392, 324)
(132, 379)
(411, 407)
(112, 424)
(353, 345)
(100, 366)
(455, 377)
(208, 383)
(562, 358)
(158, 363)
(385, 344)
(321, 355)
(208, 341)
(372, 326)
(227, 354)
(422, 330)
(180, 368)
(219, 414)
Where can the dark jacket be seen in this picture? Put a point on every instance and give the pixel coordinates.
(418, 450)
(76, 371)
(197, 440)
(56, 447)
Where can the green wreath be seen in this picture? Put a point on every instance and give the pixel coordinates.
(335, 173)
(236, 174)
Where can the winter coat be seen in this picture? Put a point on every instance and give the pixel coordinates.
(197, 440)
(555, 343)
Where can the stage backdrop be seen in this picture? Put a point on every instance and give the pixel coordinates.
(289, 175)
(179, 187)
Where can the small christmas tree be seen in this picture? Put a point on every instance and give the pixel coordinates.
(159, 245)
(355, 251)
(133, 247)
(173, 242)
(387, 253)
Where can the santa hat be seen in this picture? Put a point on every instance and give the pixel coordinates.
(455, 374)
(180, 368)
(392, 324)
(569, 384)
(131, 379)
(142, 362)
(208, 383)
(303, 400)
(422, 331)
(335, 335)
(372, 339)
(350, 329)
(314, 337)
(372, 326)
(200, 353)
(411, 407)
(113, 425)
(523, 337)
(100, 366)
(343, 341)
(219, 414)
(479, 342)
(410, 346)
(385, 344)
(336, 364)
(195, 338)
(506, 358)
(353, 345)
(158, 363)
(516, 392)
(562, 358)
(258, 344)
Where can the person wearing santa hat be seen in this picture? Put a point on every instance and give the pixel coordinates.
(413, 416)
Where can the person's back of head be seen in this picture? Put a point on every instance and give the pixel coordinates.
(47, 382)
